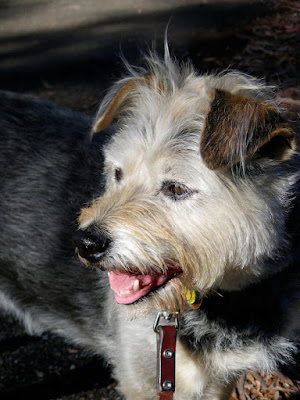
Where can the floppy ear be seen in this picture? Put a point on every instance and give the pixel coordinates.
(116, 101)
(112, 106)
(238, 128)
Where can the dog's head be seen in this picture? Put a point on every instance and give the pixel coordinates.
(197, 185)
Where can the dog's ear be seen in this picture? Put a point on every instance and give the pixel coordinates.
(238, 128)
(116, 101)
(112, 105)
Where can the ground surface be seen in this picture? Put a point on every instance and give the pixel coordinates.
(67, 52)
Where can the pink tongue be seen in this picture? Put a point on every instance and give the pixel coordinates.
(127, 291)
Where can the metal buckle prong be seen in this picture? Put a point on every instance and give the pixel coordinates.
(166, 318)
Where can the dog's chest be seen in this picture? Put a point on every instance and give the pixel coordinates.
(190, 373)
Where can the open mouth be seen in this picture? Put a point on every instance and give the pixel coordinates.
(129, 288)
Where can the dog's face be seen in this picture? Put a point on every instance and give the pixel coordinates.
(194, 192)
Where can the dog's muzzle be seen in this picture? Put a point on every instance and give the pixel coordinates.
(128, 284)
(91, 246)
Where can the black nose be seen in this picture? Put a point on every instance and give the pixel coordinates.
(91, 246)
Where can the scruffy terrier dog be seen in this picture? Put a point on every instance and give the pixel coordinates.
(188, 184)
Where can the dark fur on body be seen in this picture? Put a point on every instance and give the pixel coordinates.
(50, 168)
(47, 167)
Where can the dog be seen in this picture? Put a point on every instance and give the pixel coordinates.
(183, 185)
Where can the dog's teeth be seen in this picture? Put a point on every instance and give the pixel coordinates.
(136, 285)
(122, 293)
(108, 273)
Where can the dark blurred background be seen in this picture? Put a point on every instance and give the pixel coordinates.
(68, 51)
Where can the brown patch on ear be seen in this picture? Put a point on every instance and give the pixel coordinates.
(238, 128)
(117, 102)
(112, 109)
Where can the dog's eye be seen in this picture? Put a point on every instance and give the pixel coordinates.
(175, 190)
(118, 174)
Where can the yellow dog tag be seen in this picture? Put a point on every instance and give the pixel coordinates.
(191, 298)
